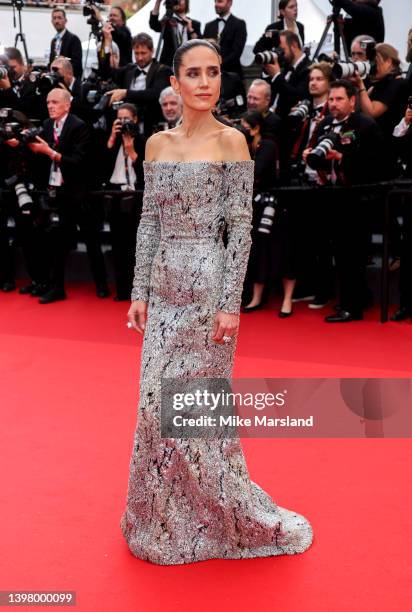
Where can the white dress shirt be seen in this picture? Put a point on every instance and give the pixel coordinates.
(139, 82)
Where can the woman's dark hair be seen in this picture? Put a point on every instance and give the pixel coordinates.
(282, 5)
(188, 46)
(254, 119)
(387, 52)
(130, 107)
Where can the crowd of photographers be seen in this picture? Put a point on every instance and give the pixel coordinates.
(72, 150)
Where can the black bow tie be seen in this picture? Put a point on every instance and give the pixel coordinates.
(139, 72)
(221, 19)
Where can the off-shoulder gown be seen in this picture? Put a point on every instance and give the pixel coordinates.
(192, 499)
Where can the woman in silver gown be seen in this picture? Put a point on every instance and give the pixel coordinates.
(192, 499)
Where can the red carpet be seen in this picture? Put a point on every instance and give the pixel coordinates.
(69, 385)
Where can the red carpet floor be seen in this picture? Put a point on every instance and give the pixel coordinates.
(69, 384)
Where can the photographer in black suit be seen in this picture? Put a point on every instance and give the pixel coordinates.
(231, 34)
(290, 83)
(16, 90)
(288, 10)
(62, 171)
(351, 154)
(366, 17)
(140, 83)
(65, 43)
(176, 26)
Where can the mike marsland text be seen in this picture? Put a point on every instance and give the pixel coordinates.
(237, 421)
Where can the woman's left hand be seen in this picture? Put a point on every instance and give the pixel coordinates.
(225, 324)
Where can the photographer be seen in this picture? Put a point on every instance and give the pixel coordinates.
(125, 160)
(366, 17)
(176, 26)
(117, 31)
(289, 83)
(140, 83)
(16, 89)
(65, 43)
(386, 99)
(264, 152)
(230, 33)
(315, 271)
(403, 137)
(62, 172)
(288, 10)
(349, 151)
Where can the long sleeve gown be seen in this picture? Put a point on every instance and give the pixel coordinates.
(192, 499)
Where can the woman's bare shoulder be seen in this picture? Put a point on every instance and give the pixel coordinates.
(233, 145)
(156, 143)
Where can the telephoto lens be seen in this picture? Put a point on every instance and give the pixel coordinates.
(301, 111)
(346, 70)
(318, 155)
(266, 57)
(268, 215)
(24, 199)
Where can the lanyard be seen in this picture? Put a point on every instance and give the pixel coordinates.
(126, 167)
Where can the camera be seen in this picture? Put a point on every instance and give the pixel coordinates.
(44, 80)
(97, 94)
(24, 199)
(316, 157)
(89, 10)
(301, 111)
(269, 203)
(270, 57)
(128, 126)
(346, 70)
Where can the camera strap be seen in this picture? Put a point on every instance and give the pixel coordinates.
(126, 167)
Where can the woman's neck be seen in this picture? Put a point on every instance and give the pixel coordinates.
(195, 123)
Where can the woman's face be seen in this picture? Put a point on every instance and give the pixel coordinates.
(290, 12)
(383, 66)
(199, 79)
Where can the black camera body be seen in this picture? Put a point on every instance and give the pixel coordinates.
(128, 126)
(317, 156)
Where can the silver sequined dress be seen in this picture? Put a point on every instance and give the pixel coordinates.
(192, 499)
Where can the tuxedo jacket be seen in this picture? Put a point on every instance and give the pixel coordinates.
(363, 153)
(364, 19)
(146, 100)
(28, 101)
(265, 43)
(71, 47)
(73, 145)
(169, 42)
(292, 90)
(232, 41)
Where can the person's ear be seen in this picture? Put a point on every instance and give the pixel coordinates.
(175, 84)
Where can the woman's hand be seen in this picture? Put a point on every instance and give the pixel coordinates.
(306, 153)
(116, 127)
(128, 143)
(225, 324)
(137, 315)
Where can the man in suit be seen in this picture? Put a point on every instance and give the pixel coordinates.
(356, 158)
(140, 83)
(62, 170)
(177, 28)
(290, 83)
(17, 91)
(230, 32)
(120, 33)
(65, 43)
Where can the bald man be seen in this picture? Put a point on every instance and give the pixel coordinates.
(62, 172)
